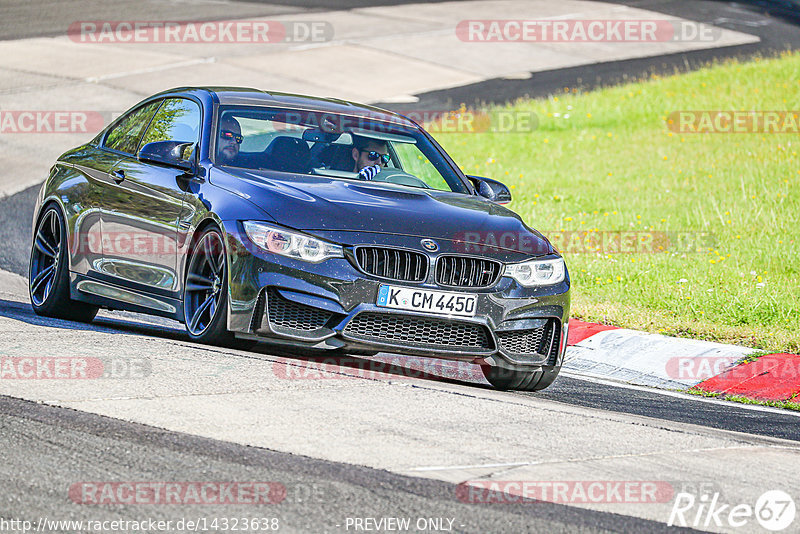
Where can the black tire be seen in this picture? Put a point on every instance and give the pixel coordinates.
(506, 379)
(205, 290)
(48, 271)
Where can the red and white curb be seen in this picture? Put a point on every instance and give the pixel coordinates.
(666, 362)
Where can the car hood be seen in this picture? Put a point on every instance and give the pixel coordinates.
(318, 203)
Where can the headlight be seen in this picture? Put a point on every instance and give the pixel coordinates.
(537, 272)
(292, 244)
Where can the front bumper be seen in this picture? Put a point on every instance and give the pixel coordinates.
(332, 305)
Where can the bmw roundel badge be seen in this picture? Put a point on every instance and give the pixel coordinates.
(429, 245)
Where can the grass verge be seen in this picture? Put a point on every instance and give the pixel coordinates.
(790, 404)
(714, 216)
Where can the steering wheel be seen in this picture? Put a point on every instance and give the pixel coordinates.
(396, 176)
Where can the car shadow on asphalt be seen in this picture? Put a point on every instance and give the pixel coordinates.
(383, 366)
(23, 312)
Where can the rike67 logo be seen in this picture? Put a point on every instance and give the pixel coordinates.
(774, 510)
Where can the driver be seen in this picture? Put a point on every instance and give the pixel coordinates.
(230, 137)
(369, 156)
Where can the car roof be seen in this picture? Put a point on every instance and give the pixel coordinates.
(247, 96)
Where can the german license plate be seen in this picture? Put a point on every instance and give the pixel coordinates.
(425, 300)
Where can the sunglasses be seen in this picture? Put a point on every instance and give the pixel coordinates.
(375, 156)
(227, 134)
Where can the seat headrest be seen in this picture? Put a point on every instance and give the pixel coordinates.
(288, 154)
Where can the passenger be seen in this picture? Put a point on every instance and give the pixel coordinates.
(369, 156)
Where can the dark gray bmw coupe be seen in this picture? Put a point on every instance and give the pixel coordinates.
(318, 224)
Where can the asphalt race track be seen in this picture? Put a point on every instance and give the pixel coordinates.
(46, 449)
(317, 493)
(16, 212)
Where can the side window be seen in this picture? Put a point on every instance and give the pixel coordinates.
(125, 135)
(178, 119)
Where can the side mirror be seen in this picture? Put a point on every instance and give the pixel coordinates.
(491, 189)
(169, 153)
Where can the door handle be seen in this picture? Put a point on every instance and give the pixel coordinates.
(118, 175)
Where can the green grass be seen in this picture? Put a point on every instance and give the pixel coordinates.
(606, 161)
(790, 404)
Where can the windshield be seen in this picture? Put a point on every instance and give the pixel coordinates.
(331, 145)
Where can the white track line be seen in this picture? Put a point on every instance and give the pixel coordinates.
(681, 395)
(148, 70)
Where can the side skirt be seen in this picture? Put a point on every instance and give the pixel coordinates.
(116, 297)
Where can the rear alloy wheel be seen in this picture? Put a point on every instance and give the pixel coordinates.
(506, 379)
(48, 274)
(205, 295)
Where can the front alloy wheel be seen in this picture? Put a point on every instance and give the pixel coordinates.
(205, 292)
